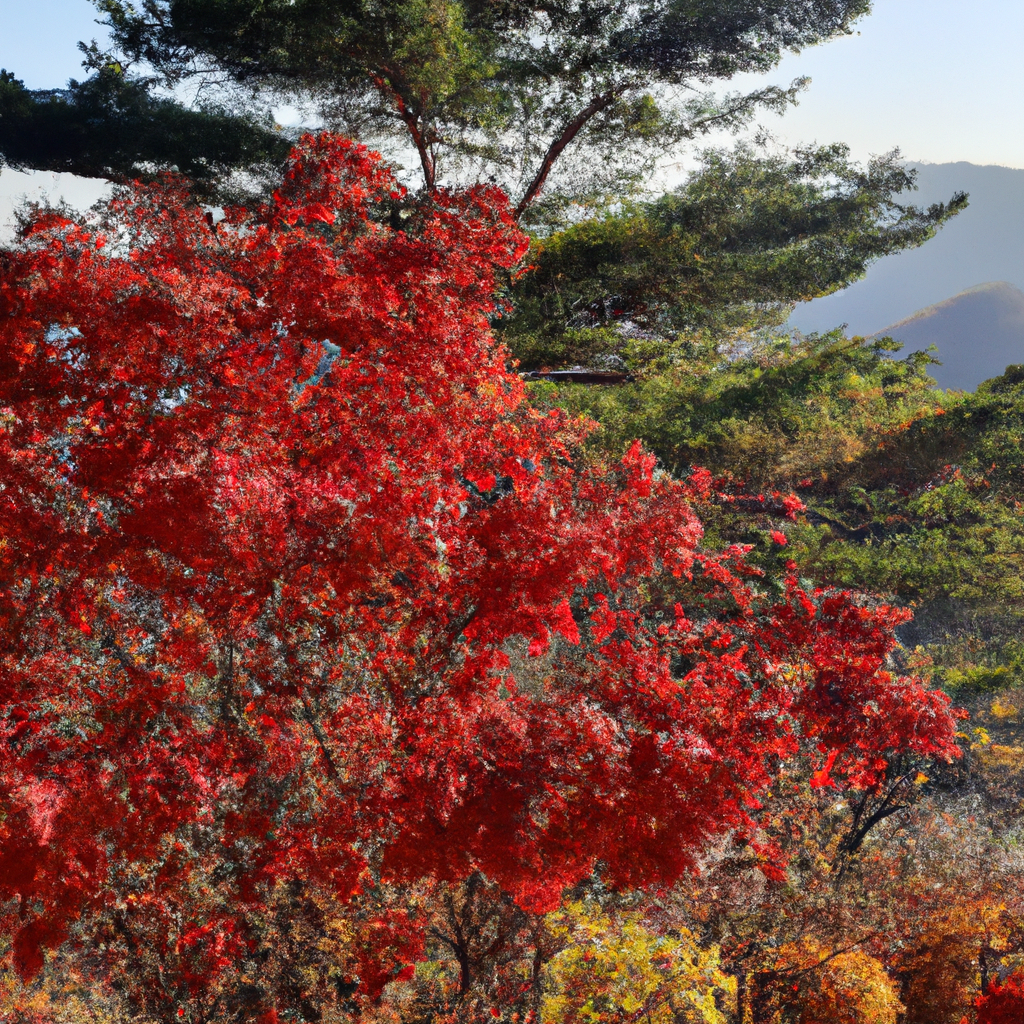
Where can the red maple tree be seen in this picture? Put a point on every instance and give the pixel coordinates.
(296, 584)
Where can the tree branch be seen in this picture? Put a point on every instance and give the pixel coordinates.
(859, 832)
(408, 118)
(321, 740)
(571, 130)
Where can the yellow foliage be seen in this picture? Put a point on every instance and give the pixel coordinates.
(1003, 708)
(620, 970)
(1000, 756)
(851, 988)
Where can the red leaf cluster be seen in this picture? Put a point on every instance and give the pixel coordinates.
(293, 582)
(1003, 1003)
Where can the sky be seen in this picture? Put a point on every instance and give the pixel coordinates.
(940, 79)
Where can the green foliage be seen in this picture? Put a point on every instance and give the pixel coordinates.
(112, 126)
(938, 508)
(774, 415)
(736, 246)
(495, 89)
(971, 668)
(911, 493)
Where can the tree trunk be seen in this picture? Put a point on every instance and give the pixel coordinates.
(741, 997)
(760, 997)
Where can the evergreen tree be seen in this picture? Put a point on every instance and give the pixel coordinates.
(111, 126)
(734, 248)
(570, 100)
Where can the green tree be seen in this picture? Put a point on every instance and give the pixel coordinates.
(746, 236)
(910, 492)
(113, 127)
(570, 98)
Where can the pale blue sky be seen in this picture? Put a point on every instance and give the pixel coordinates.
(941, 79)
(39, 39)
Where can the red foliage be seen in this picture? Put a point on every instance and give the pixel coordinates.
(1004, 1002)
(294, 582)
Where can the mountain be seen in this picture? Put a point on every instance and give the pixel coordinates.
(985, 243)
(978, 334)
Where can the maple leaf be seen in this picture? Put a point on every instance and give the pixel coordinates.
(823, 776)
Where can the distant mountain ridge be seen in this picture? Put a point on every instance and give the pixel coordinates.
(978, 334)
(984, 243)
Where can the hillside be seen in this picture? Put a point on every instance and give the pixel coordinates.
(978, 334)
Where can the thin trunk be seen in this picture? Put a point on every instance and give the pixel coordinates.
(904, 978)
(760, 996)
(420, 142)
(410, 120)
(321, 739)
(604, 377)
(741, 997)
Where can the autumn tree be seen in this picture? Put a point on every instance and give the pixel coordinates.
(1003, 1003)
(614, 969)
(301, 600)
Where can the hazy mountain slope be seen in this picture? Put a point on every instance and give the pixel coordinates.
(985, 243)
(978, 334)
